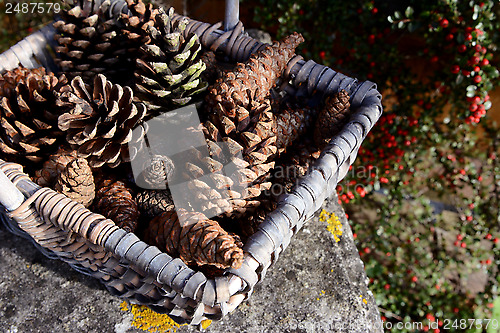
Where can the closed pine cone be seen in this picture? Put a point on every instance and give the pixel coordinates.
(332, 118)
(100, 120)
(52, 167)
(115, 201)
(195, 239)
(76, 182)
(28, 115)
(168, 71)
(152, 203)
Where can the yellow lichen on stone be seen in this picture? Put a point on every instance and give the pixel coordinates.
(148, 320)
(334, 226)
(205, 323)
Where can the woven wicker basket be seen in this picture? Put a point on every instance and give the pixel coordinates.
(130, 268)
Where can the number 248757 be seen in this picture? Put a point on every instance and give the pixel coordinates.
(32, 8)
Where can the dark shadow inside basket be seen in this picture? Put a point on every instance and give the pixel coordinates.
(141, 273)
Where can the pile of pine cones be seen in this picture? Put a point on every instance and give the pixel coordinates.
(71, 131)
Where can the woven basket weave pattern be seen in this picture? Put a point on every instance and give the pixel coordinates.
(130, 268)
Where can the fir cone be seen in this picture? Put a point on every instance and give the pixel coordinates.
(55, 165)
(76, 182)
(251, 81)
(332, 118)
(100, 120)
(152, 203)
(92, 41)
(212, 72)
(28, 115)
(168, 72)
(195, 239)
(114, 200)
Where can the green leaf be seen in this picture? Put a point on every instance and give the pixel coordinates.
(487, 105)
(409, 11)
(397, 15)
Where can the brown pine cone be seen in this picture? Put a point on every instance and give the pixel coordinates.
(249, 223)
(92, 41)
(76, 182)
(152, 203)
(28, 115)
(157, 171)
(331, 119)
(291, 123)
(100, 120)
(115, 201)
(251, 81)
(195, 239)
(55, 165)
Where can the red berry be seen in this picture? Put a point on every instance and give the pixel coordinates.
(476, 99)
(367, 250)
(475, 60)
(478, 78)
(455, 310)
(354, 235)
(322, 54)
(468, 37)
(435, 58)
(460, 237)
(463, 245)
(371, 39)
(488, 261)
(469, 218)
(473, 107)
(374, 10)
(449, 37)
(455, 69)
(485, 62)
(462, 48)
(478, 48)
(477, 69)
(444, 23)
(384, 180)
(495, 240)
(414, 279)
(456, 243)
(387, 286)
(488, 236)
(465, 73)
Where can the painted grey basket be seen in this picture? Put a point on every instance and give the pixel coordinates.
(130, 268)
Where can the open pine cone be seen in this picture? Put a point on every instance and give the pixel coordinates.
(92, 41)
(28, 115)
(100, 120)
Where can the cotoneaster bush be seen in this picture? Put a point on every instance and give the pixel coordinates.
(429, 170)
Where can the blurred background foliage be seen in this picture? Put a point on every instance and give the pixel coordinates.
(423, 197)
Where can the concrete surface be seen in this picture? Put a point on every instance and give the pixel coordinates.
(317, 285)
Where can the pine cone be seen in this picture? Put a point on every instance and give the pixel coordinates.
(92, 41)
(250, 222)
(251, 81)
(292, 166)
(28, 115)
(332, 118)
(76, 182)
(152, 203)
(54, 166)
(291, 123)
(168, 73)
(157, 171)
(100, 121)
(115, 201)
(195, 239)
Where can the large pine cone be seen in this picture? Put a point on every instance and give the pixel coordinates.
(195, 239)
(168, 73)
(100, 121)
(332, 118)
(76, 182)
(115, 201)
(28, 115)
(92, 41)
(52, 167)
(252, 81)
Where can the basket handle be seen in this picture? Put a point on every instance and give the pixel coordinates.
(10, 197)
